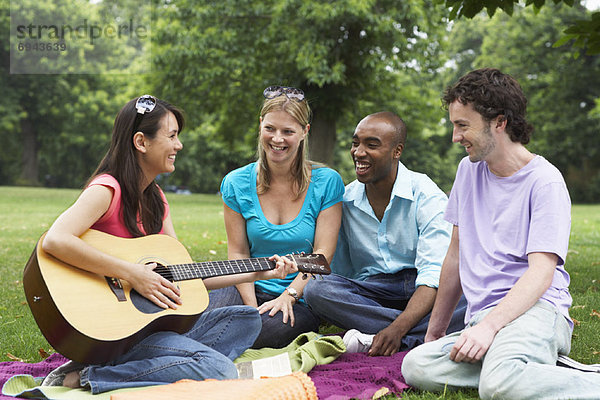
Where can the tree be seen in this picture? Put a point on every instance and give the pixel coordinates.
(216, 58)
(560, 88)
(585, 33)
(57, 124)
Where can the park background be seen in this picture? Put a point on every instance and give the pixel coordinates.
(351, 57)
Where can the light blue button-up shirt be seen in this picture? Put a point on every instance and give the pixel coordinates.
(412, 233)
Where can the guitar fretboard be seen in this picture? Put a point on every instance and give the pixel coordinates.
(208, 269)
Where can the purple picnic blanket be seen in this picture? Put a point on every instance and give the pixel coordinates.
(355, 375)
(352, 375)
(11, 368)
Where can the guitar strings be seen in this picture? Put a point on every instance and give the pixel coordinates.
(207, 269)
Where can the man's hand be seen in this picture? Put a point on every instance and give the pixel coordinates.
(473, 343)
(389, 339)
(433, 334)
(386, 342)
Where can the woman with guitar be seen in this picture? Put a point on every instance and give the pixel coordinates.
(123, 200)
(282, 203)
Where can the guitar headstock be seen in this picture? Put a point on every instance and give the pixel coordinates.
(311, 263)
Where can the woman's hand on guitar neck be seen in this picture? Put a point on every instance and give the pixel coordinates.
(154, 287)
(285, 302)
(283, 267)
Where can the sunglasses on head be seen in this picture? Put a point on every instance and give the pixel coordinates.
(143, 105)
(290, 92)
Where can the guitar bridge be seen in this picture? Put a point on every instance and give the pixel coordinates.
(116, 287)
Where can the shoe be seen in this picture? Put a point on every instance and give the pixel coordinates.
(564, 361)
(357, 342)
(57, 375)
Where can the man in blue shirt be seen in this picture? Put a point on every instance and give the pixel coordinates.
(390, 248)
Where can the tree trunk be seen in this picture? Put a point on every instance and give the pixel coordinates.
(30, 169)
(322, 139)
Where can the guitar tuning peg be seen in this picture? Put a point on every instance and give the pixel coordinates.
(304, 276)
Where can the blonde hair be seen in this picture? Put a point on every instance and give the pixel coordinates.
(301, 165)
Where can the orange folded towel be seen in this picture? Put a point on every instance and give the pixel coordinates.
(297, 386)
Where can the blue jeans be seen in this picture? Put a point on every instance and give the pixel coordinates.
(274, 333)
(373, 304)
(206, 351)
(520, 363)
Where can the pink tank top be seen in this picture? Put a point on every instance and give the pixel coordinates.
(112, 221)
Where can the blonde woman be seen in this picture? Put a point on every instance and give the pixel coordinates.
(283, 203)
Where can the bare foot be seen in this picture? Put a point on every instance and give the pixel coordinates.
(72, 380)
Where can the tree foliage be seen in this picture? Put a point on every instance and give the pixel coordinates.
(216, 58)
(560, 88)
(584, 32)
(352, 58)
(57, 125)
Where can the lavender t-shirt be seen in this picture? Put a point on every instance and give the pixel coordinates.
(500, 221)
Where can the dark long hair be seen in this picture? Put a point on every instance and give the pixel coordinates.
(120, 161)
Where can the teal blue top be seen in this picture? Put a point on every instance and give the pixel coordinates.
(238, 190)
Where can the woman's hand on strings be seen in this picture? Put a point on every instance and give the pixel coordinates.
(155, 287)
(283, 267)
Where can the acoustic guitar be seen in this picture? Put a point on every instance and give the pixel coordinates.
(92, 319)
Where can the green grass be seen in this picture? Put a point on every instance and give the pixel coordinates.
(25, 213)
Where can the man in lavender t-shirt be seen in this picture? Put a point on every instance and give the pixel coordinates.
(510, 211)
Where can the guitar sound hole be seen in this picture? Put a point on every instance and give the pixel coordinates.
(143, 304)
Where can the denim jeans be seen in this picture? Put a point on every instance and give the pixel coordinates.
(373, 304)
(206, 351)
(520, 363)
(274, 333)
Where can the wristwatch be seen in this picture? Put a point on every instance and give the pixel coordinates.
(293, 292)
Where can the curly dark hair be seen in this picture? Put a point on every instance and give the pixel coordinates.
(493, 93)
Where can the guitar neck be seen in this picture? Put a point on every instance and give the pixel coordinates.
(209, 269)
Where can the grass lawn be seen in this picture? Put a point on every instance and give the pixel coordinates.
(25, 213)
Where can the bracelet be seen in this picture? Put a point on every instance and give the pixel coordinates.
(293, 292)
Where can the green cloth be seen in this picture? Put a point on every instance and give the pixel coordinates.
(28, 387)
(306, 351)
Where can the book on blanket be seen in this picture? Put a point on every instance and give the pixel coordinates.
(278, 365)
